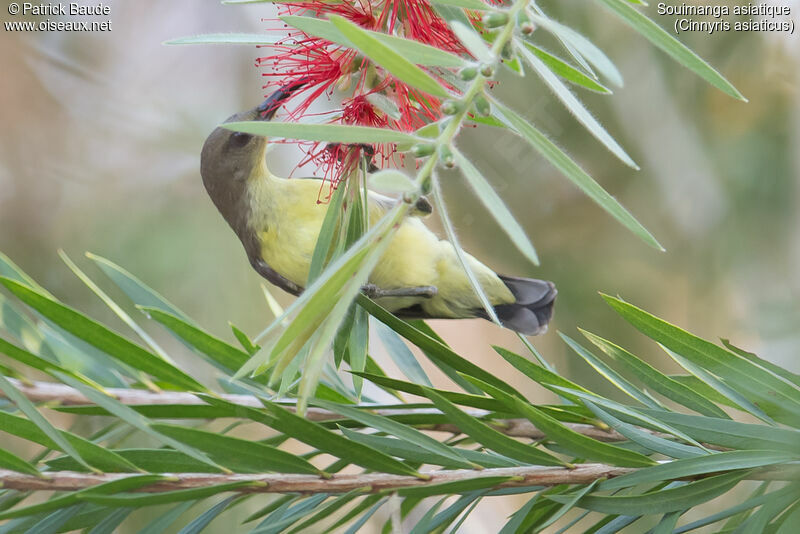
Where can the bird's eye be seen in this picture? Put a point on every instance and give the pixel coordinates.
(240, 139)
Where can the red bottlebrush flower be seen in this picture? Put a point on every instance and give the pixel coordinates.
(359, 110)
(416, 19)
(324, 66)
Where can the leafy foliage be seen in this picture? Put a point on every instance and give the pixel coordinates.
(335, 457)
(670, 461)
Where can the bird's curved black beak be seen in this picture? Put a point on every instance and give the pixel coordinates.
(266, 111)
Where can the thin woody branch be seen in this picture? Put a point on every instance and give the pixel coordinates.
(64, 395)
(522, 476)
(290, 483)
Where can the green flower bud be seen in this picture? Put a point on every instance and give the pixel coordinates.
(422, 150)
(507, 52)
(427, 186)
(451, 107)
(487, 70)
(495, 19)
(468, 73)
(482, 106)
(446, 155)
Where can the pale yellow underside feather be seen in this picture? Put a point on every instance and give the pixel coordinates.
(288, 220)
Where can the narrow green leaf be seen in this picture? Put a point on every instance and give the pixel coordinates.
(666, 42)
(9, 269)
(489, 437)
(448, 515)
(226, 356)
(413, 453)
(203, 520)
(472, 41)
(496, 207)
(384, 424)
(578, 444)
(567, 71)
(123, 484)
(639, 416)
(538, 374)
(731, 434)
(288, 513)
(238, 455)
(757, 500)
(758, 521)
(392, 181)
(323, 439)
(401, 354)
(655, 379)
(227, 38)
(116, 308)
(357, 510)
(701, 465)
(415, 388)
(101, 337)
(356, 526)
(27, 407)
(333, 133)
(111, 522)
(580, 47)
(660, 502)
(150, 460)
(325, 239)
(132, 417)
(575, 107)
(789, 520)
(738, 400)
(740, 373)
(386, 57)
(462, 256)
(777, 370)
(436, 351)
(413, 51)
(53, 522)
(571, 170)
(326, 510)
(609, 374)
(695, 384)
(668, 522)
(163, 522)
(358, 344)
(95, 455)
(451, 14)
(13, 462)
(136, 500)
(28, 358)
(646, 439)
(244, 340)
(140, 293)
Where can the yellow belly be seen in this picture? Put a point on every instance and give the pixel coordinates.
(415, 256)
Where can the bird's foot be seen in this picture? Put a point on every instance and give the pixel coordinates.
(374, 292)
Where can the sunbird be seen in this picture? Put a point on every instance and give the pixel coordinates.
(278, 220)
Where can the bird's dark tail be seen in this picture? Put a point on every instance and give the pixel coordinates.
(533, 308)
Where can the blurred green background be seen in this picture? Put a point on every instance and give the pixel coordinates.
(99, 151)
